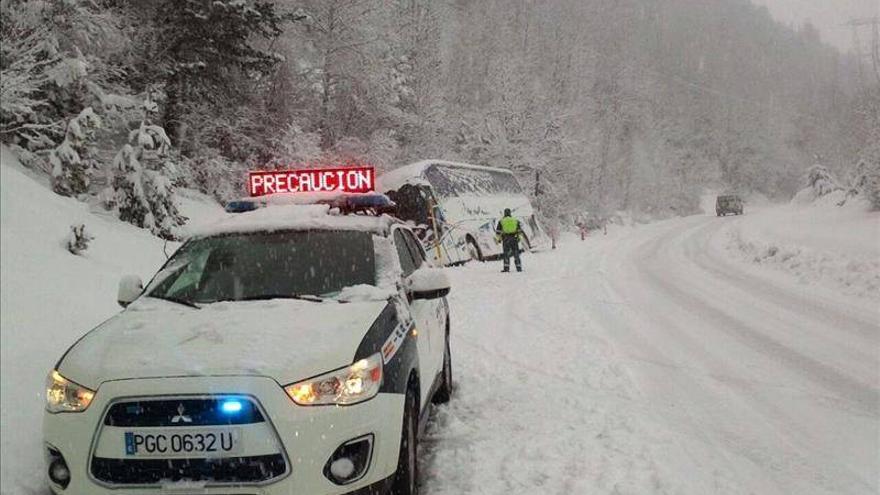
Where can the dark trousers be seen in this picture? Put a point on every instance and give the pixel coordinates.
(510, 243)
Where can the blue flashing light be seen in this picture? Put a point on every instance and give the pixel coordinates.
(231, 406)
(241, 206)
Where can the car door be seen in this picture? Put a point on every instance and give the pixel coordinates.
(421, 312)
(437, 317)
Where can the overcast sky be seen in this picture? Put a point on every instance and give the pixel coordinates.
(827, 15)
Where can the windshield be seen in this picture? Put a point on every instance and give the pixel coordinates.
(266, 265)
(451, 181)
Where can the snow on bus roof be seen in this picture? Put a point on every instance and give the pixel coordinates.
(294, 217)
(414, 173)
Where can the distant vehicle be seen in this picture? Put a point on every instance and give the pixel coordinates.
(454, 208)
(239, 369)
(728, 204)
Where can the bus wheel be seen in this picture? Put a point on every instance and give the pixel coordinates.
(474, 249)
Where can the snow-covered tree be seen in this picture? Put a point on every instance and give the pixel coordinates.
(209, 56)
(74, 159)
(78, 239)
(866, 180)
(27, 53)
(821, 181)
(140, 195)
(293, 145)
(56, 58)
(126, 195)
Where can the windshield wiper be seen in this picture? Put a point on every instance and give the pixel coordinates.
(266, 297)
(177, 300)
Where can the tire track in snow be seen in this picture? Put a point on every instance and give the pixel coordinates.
(833, 380)
(855, 319)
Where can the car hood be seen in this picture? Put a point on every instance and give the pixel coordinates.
(287, 340)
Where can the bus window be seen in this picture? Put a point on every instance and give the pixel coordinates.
(457, 181)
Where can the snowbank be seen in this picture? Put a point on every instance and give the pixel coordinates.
(818, 243)
(49, 297)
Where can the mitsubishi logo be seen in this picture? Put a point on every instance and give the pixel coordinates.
(180, 417)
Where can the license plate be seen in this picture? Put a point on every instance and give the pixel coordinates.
(202, 442)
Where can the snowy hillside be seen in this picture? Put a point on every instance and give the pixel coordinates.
(50, 297)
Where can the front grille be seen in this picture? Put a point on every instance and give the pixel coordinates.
(181, 412)
(225, 470)
(186, 412)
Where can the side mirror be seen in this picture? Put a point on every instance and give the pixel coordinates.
(428, 283)
(130, 288)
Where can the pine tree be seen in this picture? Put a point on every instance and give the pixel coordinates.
(820, 180)
(207, 57)
(866, 181)
(141, 196)
(74, 159)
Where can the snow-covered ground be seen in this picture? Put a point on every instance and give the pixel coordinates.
(50, 297)
(822, 243)
(656, 359)
(659, 360)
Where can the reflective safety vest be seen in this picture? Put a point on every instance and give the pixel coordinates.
(509, 225)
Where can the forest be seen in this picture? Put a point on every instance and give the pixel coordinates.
(598, 106)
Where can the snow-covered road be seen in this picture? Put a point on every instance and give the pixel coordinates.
(699, 355)
(649, 361)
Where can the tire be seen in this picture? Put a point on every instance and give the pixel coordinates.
(444, 392)
(476, 253)
(406, 478)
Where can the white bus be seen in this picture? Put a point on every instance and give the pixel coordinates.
(455, 207)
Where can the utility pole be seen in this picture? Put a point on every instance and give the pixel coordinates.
(872, 24)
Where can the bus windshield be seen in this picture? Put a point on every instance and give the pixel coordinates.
(450, 181)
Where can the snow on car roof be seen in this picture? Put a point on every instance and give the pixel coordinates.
(294, 217)
(414, 173)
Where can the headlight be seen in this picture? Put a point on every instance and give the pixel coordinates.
(356, 383)
(62, 395)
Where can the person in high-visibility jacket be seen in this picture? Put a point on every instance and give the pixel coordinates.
(509, 232)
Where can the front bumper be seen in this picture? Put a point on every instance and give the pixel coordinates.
(308, 436)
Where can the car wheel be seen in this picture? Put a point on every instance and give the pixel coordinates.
(444, 392)
(476, 253)
(406, 479)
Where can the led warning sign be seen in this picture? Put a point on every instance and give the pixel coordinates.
(348, 180)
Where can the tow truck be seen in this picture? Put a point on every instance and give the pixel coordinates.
(289, 348)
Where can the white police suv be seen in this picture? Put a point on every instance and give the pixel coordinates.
(286, 350)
